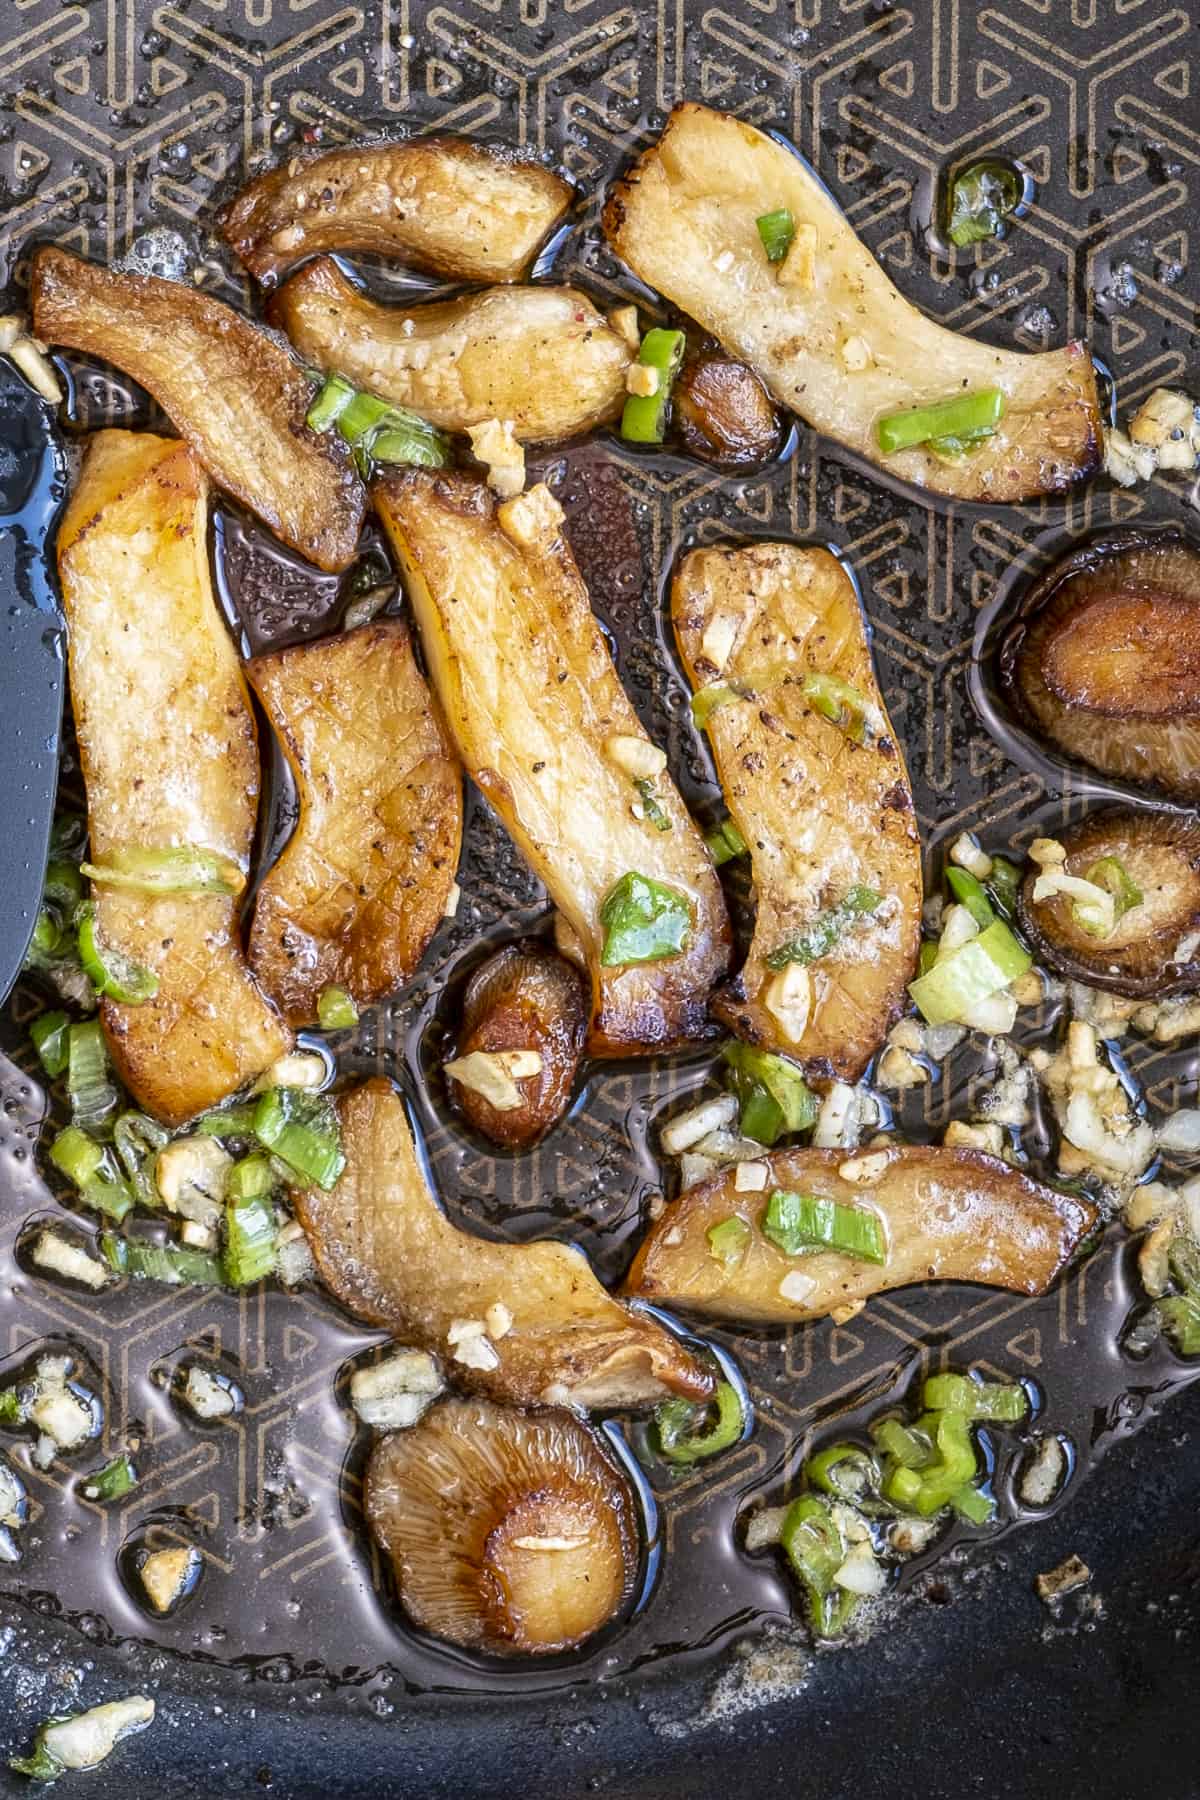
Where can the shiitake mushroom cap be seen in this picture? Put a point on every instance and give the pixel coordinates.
(525, 997)
(1160, 852)
(723, 413)
(508, 1531)
(1102, 659)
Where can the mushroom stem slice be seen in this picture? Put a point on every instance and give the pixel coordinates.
(822, 802)
(946, 1215)
(390, 1255)
(540, 358)
(362, 884)
(532, 700)
(507, 1531)
(835, 340)
(231, 390)
(524, 998)
(1153, 947)
(444, 204)
(169, 755)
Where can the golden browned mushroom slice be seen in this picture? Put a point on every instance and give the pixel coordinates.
(521, 1322)
(1116, 903)
(507, 1531)
(1102, 658)
(524, 1021)
(231, 390)
(544, 727)
(774, 641)
(824, 326)
(358, 892)
(540, 358)
(457, 208)
(923, 1214)
(167, 746)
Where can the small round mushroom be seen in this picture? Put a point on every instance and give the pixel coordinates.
(723, 413)
(508, 1531)
(525, 1017)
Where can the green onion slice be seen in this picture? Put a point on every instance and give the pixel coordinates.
(903, 1444)
(90, 1089)
(333, 398)
(841, 703)
(706, 700)
(86, 1165)
(1179, 1316)
(1110, 874)
(816, 1550)
(773, 1095)
(845, 1472)
(12, 1413)
(644, 420)
(301, 1129)
(113, 1482)
(643, 921)
(181, 869)
(952, 1468)
(965, 416)
(983, 966)
(725, 843)
(49, 1034)
(970, 892)
(728, 1241)
(252, 1178)
(827, 929)
(1002, 1403)
(650, 805)
(688, 1433)
(110, 971)
(973, 1505)
(137, 1140)
(980, 198)
(336, 1011)
(228, 1122)
(801, 1223)
(776, 229)
(174, 1264)
(249, 1241)
(1002, 885)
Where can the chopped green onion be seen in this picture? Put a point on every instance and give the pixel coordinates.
(138, 1140)
(175, 1264)
(41, 1765)
(776, 229)
(85, 1163)
(1003, 883)
(336, 1011)
(906, 1446)
(114, 1481)
(844, 1471)
(706, 700)
(926, 957)
(1002, 1403)
(89, 1087)
(840, 702)
(688, 1433)
(251, 1178)
(333, 398)
(966, 415)
(12, 1413)
(643, 921)
(360, 416)
(725, 843)
(799, 1223)
(953, 1468)
(1179, 1315)
(49, 1034)
(227, 1122)
(301, 1130)
(409, 440)
(650, 805)
(180, 869)
(980, 198)
(970, 892)
(110, 971)
(727, 1240)
(644, 420)
(62, 888)
(1110, 874)
(46, 940)
(972, 1504)
(827, 929)
(816, 1550)
(982, 966)
(249, 1241)
(773, 1095)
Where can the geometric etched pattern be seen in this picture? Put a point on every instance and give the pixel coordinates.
(127, 115)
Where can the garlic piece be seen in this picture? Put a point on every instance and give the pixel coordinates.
(533, 520)
(494, 445)
(494, 1074)
(167, 1574)
(750, 1177)
(641, 379)
(635, 756)
(799, 266)
(788, 998)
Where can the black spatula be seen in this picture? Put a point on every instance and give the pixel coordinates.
(33, 483)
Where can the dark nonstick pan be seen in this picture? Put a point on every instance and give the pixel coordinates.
(288, 1671)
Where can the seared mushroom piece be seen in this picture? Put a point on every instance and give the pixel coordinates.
(723, 413)
(830, 335)
(523, 1002)
(362, 884)
(170, 759)
(540, 358)
(829, 1230)
(233, 391)
(1144, 941)
(1103, 657)
(774, 641)
(521, 1322)
(460, 209)
(507, 1531)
